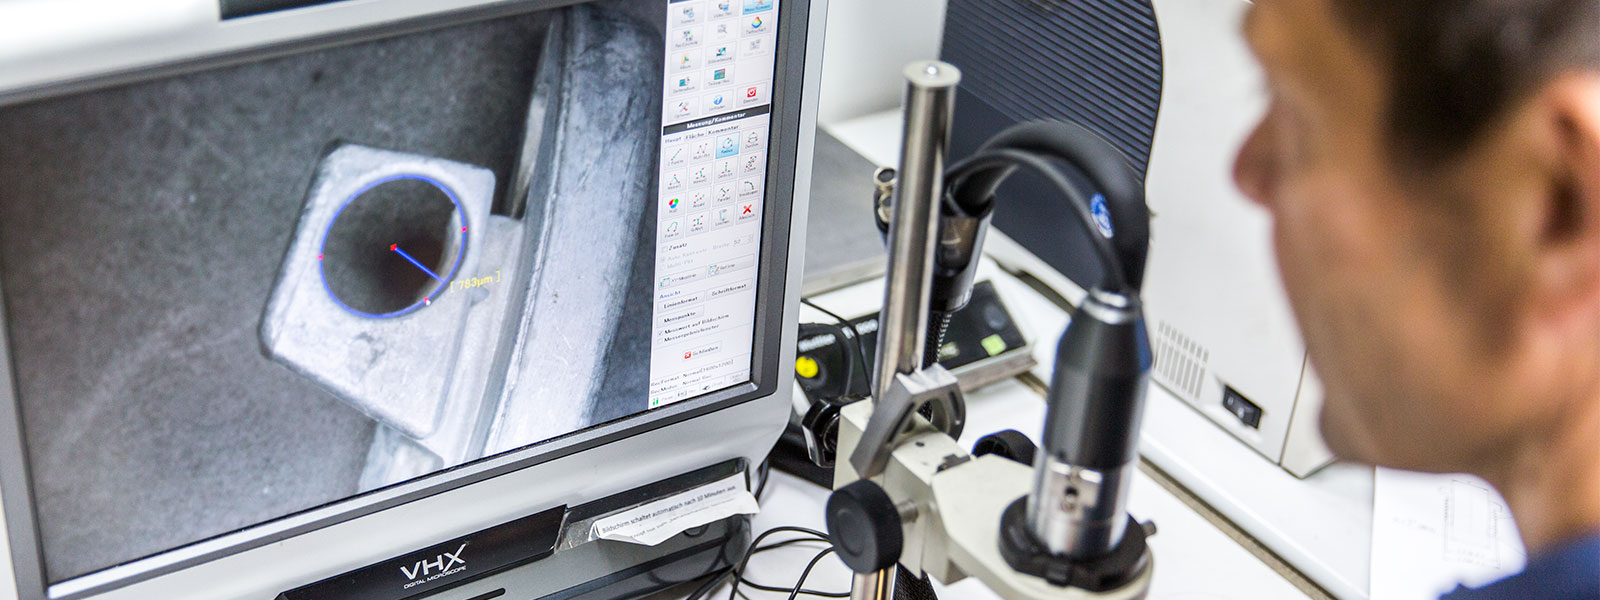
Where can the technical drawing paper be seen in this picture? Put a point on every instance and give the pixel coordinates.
(1431, 532)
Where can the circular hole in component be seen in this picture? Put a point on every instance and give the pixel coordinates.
(393, 247)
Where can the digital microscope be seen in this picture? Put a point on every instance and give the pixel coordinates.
(908, 498)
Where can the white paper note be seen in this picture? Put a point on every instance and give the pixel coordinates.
(1430, 532)
(652, 523)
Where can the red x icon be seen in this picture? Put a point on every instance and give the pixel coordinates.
(686, 355)
(746, 209)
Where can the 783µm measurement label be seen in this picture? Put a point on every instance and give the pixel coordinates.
(475, 282)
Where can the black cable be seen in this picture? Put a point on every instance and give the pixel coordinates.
(803, 592)
(755, 549)
(748, 583)
(745, 562)
(861, 352)
(777, 545)
(807, 573)
(711, 584)
(929, 348)
(772, 588)
(719, 575)
(765, 471)
(856, 335)
(1005, 159)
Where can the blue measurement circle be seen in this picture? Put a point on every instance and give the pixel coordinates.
(443, 285)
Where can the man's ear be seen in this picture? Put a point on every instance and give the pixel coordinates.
(1568, 258)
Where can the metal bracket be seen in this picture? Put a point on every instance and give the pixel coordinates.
(908, 393)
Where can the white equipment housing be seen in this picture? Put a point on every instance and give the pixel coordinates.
(1217, 312)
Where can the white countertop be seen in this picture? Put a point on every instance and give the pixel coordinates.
(1193, 559)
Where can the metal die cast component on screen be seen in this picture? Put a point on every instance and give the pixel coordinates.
(326, 318)
(510, 342)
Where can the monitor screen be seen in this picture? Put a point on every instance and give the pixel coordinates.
(238, 293)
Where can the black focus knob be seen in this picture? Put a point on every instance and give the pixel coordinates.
(821, 428)
(864, 527)
(1010, 444)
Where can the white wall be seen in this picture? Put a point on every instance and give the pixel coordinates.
(868, 43)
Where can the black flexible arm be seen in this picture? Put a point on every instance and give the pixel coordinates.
(970, 190)
(1041, 147)
(977, 172)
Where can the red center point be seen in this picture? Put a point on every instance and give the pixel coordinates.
(394, 247)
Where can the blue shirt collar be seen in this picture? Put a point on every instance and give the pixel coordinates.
(1570, 571)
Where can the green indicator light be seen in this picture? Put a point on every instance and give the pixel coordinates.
(993, 344)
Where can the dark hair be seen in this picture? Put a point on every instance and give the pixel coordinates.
(1455, 66)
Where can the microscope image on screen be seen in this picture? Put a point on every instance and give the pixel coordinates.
(235, 294)
(393, 294)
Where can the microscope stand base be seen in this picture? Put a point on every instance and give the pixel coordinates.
(1125, 562)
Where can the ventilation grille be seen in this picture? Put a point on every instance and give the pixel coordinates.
(1180, 362)
(1095, 63)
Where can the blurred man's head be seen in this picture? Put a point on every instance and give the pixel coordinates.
(1433, 169)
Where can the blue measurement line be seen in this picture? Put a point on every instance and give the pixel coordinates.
(402, 253)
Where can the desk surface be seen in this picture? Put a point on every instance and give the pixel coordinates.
(1194, 560)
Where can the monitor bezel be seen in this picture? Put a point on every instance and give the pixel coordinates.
(787, 115)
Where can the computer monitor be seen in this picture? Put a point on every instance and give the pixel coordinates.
(293, 288)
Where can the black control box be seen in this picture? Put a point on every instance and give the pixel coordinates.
(982, 331)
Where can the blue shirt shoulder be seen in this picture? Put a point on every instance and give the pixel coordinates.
(1568, 572)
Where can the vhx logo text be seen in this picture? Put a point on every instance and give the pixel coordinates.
(440, 564)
